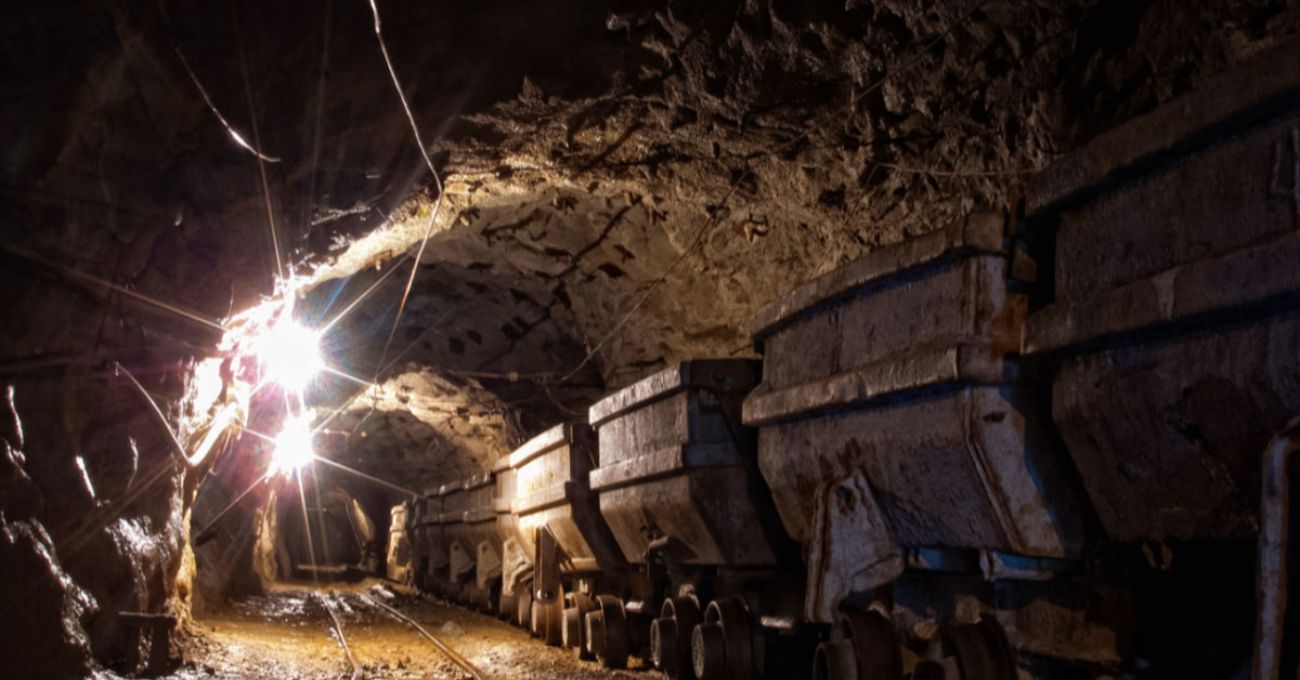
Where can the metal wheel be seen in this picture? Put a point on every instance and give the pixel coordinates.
(536, 619)
(709, 652)
(594, 632)
(876, 651)
(835, 660)
(616, 645)
(506, 607)
(575, 616)
(551, 626)
(670, 637)
(723, 646)
(664, 648)
(738, 628)
(524, 606)
(977, 651)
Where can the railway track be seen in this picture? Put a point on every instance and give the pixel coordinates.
(358, 672)
(451, 654)
(330, 601)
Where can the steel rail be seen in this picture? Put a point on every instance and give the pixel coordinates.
(450, 653)
(358, 672)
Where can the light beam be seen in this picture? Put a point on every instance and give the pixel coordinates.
(290, 355)
(293, 446)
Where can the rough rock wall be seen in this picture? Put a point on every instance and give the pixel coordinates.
(94, 177)
(91, 517)
(428, 427)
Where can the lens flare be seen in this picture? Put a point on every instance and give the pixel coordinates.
(290, 355)
(293, 446)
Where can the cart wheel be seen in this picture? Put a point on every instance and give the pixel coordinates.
(724, 643)
(613, 619)
(575, 617)
(835, 660)
(709, 652)
(975, 651)
(524, 606)
(506, 607)
(670, 637)
(594, 633)
(876, 651)
(552, 624)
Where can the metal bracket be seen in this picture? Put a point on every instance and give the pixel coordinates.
(546, 565)
(1275, 186)
(1277, 636)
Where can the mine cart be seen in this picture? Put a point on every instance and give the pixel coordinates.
(456, 541)
(574, 557)
(900, 439)
(429, 557)
(1173, 318)
(481, 531)
(398, 561)
(680, 489)
(514, 564)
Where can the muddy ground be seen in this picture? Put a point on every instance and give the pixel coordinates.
(288, 634)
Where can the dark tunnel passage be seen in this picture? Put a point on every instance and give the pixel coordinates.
(715, 340)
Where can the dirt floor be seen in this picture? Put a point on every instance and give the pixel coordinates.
(288, 634)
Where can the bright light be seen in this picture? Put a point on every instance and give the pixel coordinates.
(290, 355)
(293, 447)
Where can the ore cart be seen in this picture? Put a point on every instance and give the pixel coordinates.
(573, 555)
(481, 530)
(1173, 316)
(514, 564)
(430, 557)
(680, 489)
(457, 542)
(398, 561)
(902, 444)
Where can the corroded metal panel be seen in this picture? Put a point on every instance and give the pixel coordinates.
(962, 302)
(1173, 316)
(910, 371)
(454, 500)
(961, 469)
(680, 415)
(514, 561)
(677, 473)
(980, 233)
(551, 493)
(430, 543)
(893, 417)
(697, 517)
(1228, 196)
(481, 529)
(457, 540)
(1264, 276)
(927, 320)
(1167, 435)
(399, 558)
(720, 376)
(852, 549)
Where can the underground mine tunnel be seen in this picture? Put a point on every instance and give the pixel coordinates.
(716, 339)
